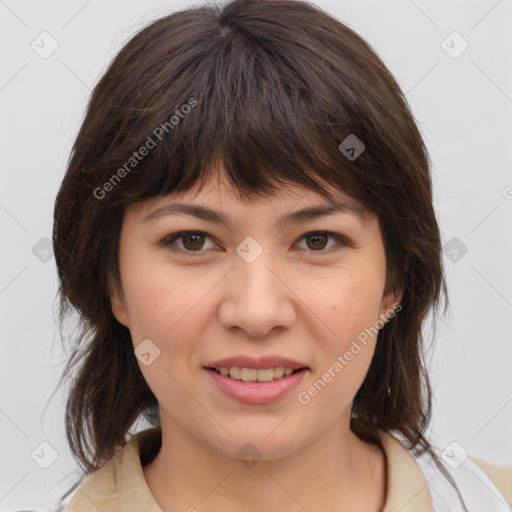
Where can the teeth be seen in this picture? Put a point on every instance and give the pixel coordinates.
(253, 374)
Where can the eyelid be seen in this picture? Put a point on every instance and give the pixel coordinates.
(342, 240)
(166, 242)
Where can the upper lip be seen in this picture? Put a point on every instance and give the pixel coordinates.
(258, 363)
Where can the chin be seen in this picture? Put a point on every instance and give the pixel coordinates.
(259, 447)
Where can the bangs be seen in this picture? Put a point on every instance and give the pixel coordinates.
(230, 99)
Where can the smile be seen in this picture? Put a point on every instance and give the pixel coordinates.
(254, 391)
(255, 374)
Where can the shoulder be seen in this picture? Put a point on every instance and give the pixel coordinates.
(475, 486)
(500, 476)
(120, 480)
(100, 489)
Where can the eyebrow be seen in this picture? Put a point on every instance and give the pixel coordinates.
(295, 217)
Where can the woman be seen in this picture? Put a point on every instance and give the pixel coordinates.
(246, 229)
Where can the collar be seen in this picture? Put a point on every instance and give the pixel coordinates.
(120, 484)
(408, 489)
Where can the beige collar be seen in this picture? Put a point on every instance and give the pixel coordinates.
(120, 484)
(407, 487)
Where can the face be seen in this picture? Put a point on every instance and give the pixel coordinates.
(309, 289)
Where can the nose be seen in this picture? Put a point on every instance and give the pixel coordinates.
(257, 297)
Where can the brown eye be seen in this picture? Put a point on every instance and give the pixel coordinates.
(191, 242)
(318, 241)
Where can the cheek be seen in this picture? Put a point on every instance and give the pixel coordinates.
(349, 304)
(164, 301)
(350, 309)
(167, 306)
(352, 301)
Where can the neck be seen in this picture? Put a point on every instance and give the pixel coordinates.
(337, 472)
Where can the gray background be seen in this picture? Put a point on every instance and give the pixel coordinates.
(463, 104)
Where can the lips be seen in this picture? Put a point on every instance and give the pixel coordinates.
(290, 373)
(259, 363)
(257, 393)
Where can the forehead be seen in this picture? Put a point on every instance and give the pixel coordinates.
(287, 213)
(220, 201)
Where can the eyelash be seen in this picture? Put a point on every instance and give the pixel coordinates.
(168, 241)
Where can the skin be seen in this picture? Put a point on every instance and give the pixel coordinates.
(301, 298)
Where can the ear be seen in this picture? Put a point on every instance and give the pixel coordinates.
(118, 305)
(390, 305)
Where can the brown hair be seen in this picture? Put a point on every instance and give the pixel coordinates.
(272, 89)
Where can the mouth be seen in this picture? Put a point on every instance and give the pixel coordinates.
(256, 375)
(256, 386)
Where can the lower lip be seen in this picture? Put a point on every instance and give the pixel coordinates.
(257, 392)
